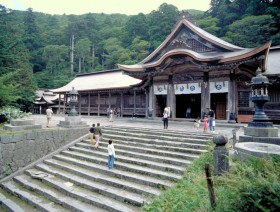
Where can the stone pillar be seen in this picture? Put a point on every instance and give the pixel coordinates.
(221, 163)
(205, 93)
(98, 106)
(65, 103)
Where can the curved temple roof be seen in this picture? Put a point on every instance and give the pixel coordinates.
(99, 81)
(217, 49)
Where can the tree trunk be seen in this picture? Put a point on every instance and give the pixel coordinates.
(72, 55)
(80, 65)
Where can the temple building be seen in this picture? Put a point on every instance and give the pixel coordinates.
(191, 68)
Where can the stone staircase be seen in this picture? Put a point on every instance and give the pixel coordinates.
(77, 178)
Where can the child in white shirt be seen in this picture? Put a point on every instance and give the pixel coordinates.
(111, 154)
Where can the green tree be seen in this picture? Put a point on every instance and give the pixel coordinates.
(138, 49)
(83, 54)
(209, 24)
(251, 31)
(55, 57)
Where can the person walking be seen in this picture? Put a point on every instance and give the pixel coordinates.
(111, 154)
(97, 135)
(91, 134)
(165, 118)
(111, 115)
(49, 115)
(211, 116)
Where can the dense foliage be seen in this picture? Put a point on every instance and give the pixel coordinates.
(251, 185)
(35, 47)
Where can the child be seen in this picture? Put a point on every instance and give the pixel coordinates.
(91, 134)
(197, 123)
(205, 124)
(111, 154)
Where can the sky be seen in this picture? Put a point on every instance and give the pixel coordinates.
(78, 7)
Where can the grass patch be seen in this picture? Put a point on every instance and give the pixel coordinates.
(251, 185)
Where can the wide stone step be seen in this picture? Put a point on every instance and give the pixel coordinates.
(157, 132)
(147, 163)
(121, 144)
(125, 166)
(99, 188)
(60, 160)
(40, 202)
(9, 202)
(79, 199)
(143, 139)
(98, 177)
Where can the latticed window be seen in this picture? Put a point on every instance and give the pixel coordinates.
(243, 98)
(197, 46)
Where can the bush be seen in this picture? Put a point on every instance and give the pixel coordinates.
(251, 185)
(7, 113)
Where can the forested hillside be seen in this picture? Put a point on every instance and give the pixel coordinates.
(36, 48)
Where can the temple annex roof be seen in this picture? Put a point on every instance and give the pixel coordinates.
(110, 79)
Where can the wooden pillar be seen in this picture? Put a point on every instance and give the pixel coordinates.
(80, 103)
(171, 97)
(152, 100)
(88, 104)
(121, 104)
(232, 95)
(98, 109)
(65, 103)
(146, 102)
(134, 101)
(59, 102)
(205, 93)
(109, 100)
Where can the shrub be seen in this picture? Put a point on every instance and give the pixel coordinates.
(7, 113)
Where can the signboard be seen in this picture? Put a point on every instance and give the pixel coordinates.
(160, 89)
(190, 88)
(219, 87)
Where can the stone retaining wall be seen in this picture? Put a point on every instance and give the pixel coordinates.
(19, 149)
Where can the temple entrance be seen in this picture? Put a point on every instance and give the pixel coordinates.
(160, 104)
(219, 105)
(183, 101)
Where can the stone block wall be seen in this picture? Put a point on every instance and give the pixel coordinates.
(19, 149)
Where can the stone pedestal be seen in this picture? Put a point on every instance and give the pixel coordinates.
(22, 124)
(245, 149)
(72, 121)
(260, 134)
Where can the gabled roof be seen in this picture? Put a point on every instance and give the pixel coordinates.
(110, 79)
(188, 40)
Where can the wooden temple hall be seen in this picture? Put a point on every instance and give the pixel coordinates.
(191, 68)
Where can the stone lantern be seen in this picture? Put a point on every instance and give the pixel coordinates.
(73, 102)
(259, 97)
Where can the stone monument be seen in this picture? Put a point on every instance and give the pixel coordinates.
(22, 124)
(73, 119)
(260, 137)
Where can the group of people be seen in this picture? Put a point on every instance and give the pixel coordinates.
(208, 120)
(95, 133)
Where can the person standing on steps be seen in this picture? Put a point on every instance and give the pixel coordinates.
(91, 134)
(111, 154)
(211, 116)
(98, 134)
(165, 118)
(49, 115)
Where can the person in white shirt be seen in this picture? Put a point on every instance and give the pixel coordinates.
(49, 115)
(111, 154)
